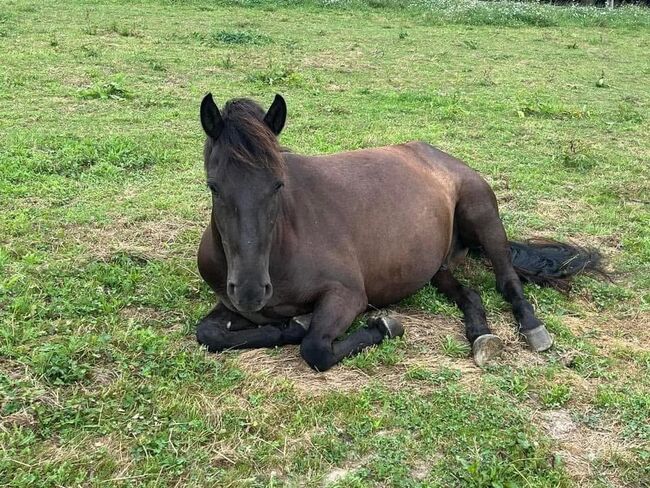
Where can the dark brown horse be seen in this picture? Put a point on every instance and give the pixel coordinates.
(298, 246)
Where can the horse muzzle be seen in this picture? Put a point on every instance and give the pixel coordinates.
(249, 297)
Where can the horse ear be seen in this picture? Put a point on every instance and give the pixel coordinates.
(277, 115)
(210, 117)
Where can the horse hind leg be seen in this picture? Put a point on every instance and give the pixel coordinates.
(480, 225)
(485, 345)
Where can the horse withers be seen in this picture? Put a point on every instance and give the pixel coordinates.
(298, 246)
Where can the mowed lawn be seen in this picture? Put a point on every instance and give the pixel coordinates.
(102, 203)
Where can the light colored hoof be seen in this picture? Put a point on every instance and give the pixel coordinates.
(303, 321)
(388, 326)
(538, 338)
(486, 348)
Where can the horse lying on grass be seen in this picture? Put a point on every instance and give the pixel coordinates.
(298, 246)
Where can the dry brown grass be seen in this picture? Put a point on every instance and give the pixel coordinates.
(610, 332)
(153, 239)
(582, 447)
(423, 339)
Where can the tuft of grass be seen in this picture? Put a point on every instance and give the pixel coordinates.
(156, 65)
(124, 30)
(548, 107)
(454, 348)
(555, 395)
(387, 353)
(628, 112)
(437, 377)
(513, 383)
(277, 75)
(233, 37)
(73, 157)
(226, 63)
(470, 44)
(630, 405)
(90, 30)
(111, 90)
(90, 51)
(60, 364)
(6, 24)
(580, 156)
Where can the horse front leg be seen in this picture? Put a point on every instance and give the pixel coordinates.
(224, 329)
(332, 316)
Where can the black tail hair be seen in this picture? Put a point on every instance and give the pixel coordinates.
(553, 263)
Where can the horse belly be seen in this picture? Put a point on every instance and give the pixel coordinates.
(406, 258)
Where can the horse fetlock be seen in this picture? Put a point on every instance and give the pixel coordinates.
(486, 348)
(538, 338)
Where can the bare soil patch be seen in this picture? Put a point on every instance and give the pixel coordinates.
(581, 447)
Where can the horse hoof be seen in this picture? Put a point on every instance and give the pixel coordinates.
(388, 326)
(538, 338)
(302, 320)
(486, 348)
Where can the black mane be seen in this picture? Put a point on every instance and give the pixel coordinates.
(246, 139)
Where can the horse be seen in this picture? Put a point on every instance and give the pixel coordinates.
(298, 246)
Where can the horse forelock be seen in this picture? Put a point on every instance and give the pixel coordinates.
(246, 139)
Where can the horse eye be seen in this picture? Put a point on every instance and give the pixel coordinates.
(278, 185)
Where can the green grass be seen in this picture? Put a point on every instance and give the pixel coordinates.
(103, 203)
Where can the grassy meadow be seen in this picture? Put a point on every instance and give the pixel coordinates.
(102, 203)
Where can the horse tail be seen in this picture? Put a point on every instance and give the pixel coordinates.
(552, 263)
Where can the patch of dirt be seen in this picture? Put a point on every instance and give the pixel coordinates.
(338, 473)
(143, 314)
(558, 424)
(17, 419)
(420, 470)
(579, 446)
(103, 377)
(14, 370)
(223, 456)
(335, 475)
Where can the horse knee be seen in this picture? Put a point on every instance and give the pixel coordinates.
(317, 354)
(210, 336)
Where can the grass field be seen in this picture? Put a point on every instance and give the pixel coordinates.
(102, 202)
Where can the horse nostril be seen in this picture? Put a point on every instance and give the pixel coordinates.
(231, 288)
(268, 289)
